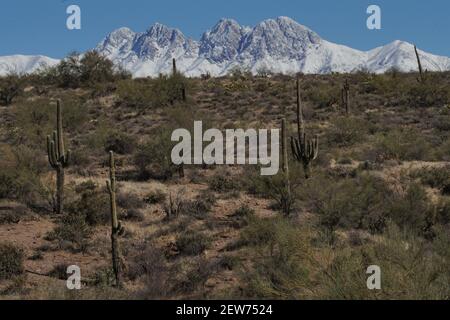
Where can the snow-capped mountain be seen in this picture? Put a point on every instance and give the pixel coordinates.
(278, 45)
(151, 52)
(24, 64)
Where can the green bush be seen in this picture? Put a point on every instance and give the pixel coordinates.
(443, 212)
(365, 202)
(155, 197)
(135, 94)
(346, 131)
(85, 70)
(74, 229)
(223, 182)
(19, 179)
(192, 243)
(93, 206)
(11, 86)
(36, 120)
(438, 178)
(428, 94)
(150, 94)
(404, 144)
(11, 261)
(411, 209)
(153, 158)
(282, 268)
(200, 206)
(120, 143)
(408, 272)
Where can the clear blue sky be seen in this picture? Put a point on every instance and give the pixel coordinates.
(39, 26)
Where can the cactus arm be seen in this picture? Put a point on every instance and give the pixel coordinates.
(66, 159)
(51, 153)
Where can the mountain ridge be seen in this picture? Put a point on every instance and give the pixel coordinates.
(279, 45)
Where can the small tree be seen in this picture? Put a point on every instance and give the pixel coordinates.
(10, 88)
(95, 68)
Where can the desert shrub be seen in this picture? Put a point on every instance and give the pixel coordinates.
(120, 143)
(135, 94)
(11, 86)
(159, 92)
(323, 95)
(36, 119)
(242, 215)
(133, 215)
(93, 206)
(260, 232)
(289, 268)
(22, 185)
(274, 187)
(223, 182)
(411, 209)
(155, 197)
(174, 206)
(443, 212)
(365, 202)
(282, 270)
(438, 177)
(346, 131)
(59, 271)
(12, 213)
(128, 200)
(408, 271)
(74, 229)
(192, 243)
(404, 144)
(95, 68)
(78, 70)
(104, 277)
(200, 206)
(67, 73)
(427, 94)
(79, 157)
(150, 265)
(443, 151)
(11, 261)
(153, 159)
(191, 276)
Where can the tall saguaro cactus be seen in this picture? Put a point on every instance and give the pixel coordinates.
(116, 226)
(58, 158)
(345, 97)
(419, 63)
(304, 150)
(174, 66)
(285, 165)
(181, 88)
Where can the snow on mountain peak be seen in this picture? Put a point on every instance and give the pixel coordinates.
(280, 45)
(24, 64)
(222, 43)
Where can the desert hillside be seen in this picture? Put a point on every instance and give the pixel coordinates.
(378, 192)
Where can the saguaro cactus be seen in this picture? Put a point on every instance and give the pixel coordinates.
(116, 226)
(304, 150)
(345, 97)
(285, 165)
(174, 67)
(419, 63)
(58, 158)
